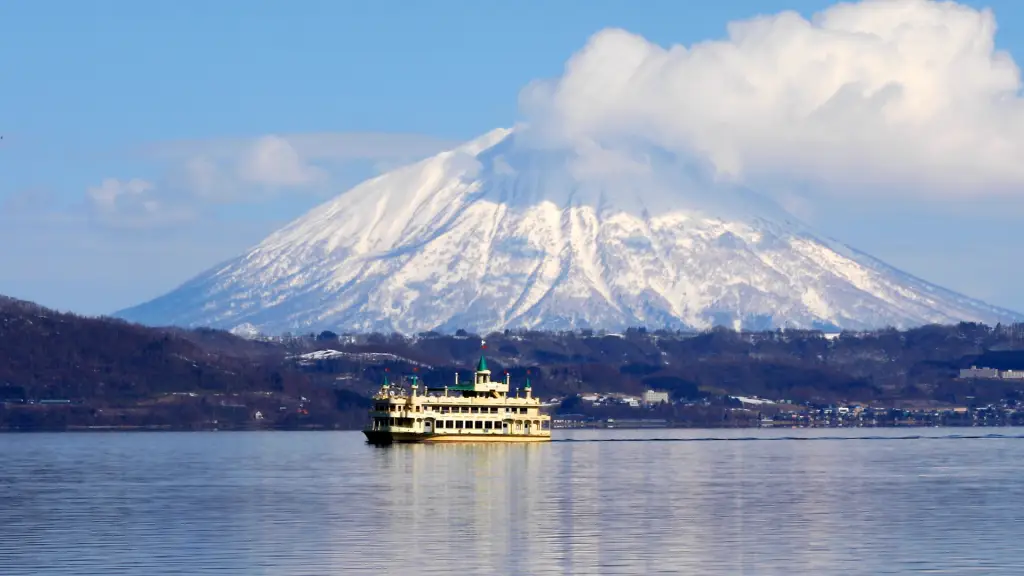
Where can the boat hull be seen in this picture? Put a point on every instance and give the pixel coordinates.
(380, 437)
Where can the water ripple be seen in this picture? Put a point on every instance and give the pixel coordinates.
(801, 438)
(591, 502)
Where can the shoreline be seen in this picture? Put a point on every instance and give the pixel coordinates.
(322, 428)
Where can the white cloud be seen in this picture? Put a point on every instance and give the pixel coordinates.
(273, 161)
(885, 95)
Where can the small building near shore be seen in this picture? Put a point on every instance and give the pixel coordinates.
(655, 397)
(975, 372)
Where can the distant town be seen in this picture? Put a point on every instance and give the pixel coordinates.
(991, 373)
(766, 413)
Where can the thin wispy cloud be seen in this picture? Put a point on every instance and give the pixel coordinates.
(134, 204)
(340, 146)
(200, 173)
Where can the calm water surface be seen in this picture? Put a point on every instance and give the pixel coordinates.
(594, 502)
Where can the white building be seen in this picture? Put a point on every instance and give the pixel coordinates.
(975, 372)
(655, 397)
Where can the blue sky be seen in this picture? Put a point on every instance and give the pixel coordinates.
(119, 90)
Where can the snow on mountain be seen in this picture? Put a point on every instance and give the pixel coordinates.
(246, 330)
(375, 357)
(496, 235)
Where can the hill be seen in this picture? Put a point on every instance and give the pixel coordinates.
(60, 371)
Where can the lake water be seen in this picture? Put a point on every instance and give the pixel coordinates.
(895, 501)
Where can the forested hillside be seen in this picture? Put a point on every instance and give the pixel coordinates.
(60, 370)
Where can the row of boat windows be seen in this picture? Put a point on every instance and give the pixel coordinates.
(379, 423)
(455, 409)
(488, 424)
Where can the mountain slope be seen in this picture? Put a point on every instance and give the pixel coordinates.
(497, 235)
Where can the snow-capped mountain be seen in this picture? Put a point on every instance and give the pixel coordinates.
(496, 234)
(246, 330)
